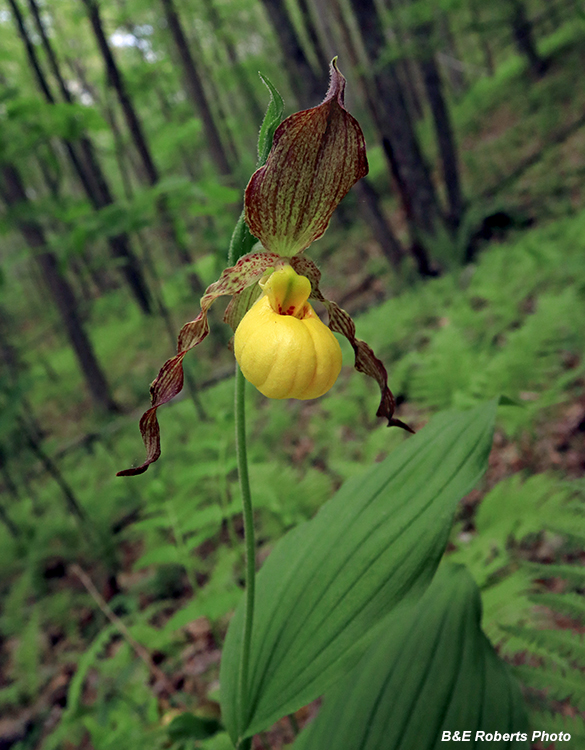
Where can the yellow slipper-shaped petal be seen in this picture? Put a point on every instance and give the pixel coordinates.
(291, 354)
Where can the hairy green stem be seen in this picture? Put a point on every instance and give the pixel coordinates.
(250, 551)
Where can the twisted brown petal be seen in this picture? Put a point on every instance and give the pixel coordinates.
(365, 359)
(316, 156)
(169, 382)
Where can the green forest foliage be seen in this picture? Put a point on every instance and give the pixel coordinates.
(502, 317)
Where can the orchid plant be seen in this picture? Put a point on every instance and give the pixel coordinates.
(317, 155)
(323, 614)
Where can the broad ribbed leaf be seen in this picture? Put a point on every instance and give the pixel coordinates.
(430, 671)
(330, 581)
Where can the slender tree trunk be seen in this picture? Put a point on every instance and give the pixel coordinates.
(71, 502)
(222, 34)
(523, 33)
(396, 129)
(443, 126)
(342, 39)
(9, 482)
(187, 158)
(61, 292)
(308, 87)
(214, 99)
(90, 174)
(369, 201)
(102, 196)
(11, 527)
(115, 79)
(134, 126)
(488, 57)
(313, 34)
(126, 166)
(410, 82)
(455, 68)
(195, 89)
(10, 369)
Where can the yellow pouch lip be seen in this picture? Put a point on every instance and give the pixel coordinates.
(285, 356)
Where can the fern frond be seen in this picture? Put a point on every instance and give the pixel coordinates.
(556, 722)
(550, 642)
(569, 603)
(568, 531)
(558, 686)
(572, 573)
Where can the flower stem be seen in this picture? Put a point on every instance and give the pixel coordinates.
(250, 550)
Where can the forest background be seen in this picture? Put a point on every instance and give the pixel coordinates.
(128, 133)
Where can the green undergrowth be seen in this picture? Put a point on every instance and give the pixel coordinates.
(520, 141)
(509, 324)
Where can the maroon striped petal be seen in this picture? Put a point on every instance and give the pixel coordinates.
(169, 382)
(316, 156)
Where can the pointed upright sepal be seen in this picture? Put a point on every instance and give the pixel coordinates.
(365, 360)
(316, 157)
(169, 382)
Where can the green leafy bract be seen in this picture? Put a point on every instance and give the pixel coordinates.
(243, 240)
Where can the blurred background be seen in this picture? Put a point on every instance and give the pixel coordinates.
(127, 135)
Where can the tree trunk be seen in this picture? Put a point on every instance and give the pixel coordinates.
(214, 99)
(92, 178)
(523, 33)
(102, 196)
(115, 79)
(488, 57)
(368, 199)
(134, 126)
(313, 34)
(11, 527)
(308, 88)
(9, 483)
(369, 202)
(443, 126)
(396, 129)
(453, 64)
(61, 292)
(195, 89)
(222, 34)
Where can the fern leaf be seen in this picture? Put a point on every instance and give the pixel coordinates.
(550, 642)
(570, 603)
(569, 532)
(556, 722)
(569, 686)
(572, 573)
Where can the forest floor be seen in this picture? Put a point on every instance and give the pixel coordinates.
(523, 154)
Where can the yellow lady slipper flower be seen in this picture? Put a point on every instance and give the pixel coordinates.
(282, 346)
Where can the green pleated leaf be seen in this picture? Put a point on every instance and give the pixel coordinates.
(330, 581)
(430, 672)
